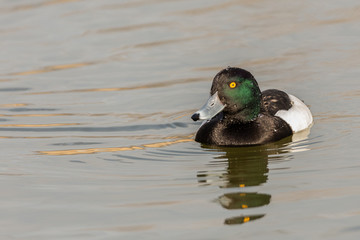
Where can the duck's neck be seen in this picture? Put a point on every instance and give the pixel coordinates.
(246, 115)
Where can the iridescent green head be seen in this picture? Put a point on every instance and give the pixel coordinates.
(238, 94)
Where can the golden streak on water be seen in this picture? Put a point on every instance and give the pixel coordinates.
(52, 68)
(131, 4)
(204, 10)
(12, 137)
(183, 115)
(112, 149)
(137, 87)
(39, 125)
(5, 79)
(128, 28)
(12, 174)
(36, 5)
(87, 136)
(11, 105)
(37, 115)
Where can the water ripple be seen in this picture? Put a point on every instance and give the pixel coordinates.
(112, 149)
(24, 7)
(52, 68)
(33, 128)
(127, 28)
(137, 87)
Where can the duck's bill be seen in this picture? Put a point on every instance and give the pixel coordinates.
(212, 107)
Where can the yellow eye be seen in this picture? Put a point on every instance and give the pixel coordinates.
(232, 85)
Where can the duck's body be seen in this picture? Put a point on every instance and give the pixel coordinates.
(239, 114)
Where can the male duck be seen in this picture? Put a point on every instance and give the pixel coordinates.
(238, 113)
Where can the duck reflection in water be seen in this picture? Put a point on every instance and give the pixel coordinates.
(244, 167)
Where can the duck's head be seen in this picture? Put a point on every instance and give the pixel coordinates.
(234, 92)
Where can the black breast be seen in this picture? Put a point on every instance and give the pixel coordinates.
(274, 100)
(264, 129)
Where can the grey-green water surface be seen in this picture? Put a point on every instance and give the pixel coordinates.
(95, 128)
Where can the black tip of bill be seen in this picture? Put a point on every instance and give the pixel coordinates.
(195, 116)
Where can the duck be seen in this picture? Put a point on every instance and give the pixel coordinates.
(239, 114)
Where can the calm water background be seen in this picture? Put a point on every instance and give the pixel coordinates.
(96, 139)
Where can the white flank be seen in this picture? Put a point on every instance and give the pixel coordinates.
(298, 116)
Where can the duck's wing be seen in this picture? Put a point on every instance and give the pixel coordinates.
(288, 107)
(274, 100)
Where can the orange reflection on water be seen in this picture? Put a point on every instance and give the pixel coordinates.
(129, 28)
(204, 10)
(52, 68)
(37, 115)
(39, 125)
(112, 149)
(144, 86)
(12, 137)
(5, 79)
(36, 5)
(11, 105)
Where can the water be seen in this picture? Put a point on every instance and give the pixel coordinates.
(95, 125)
